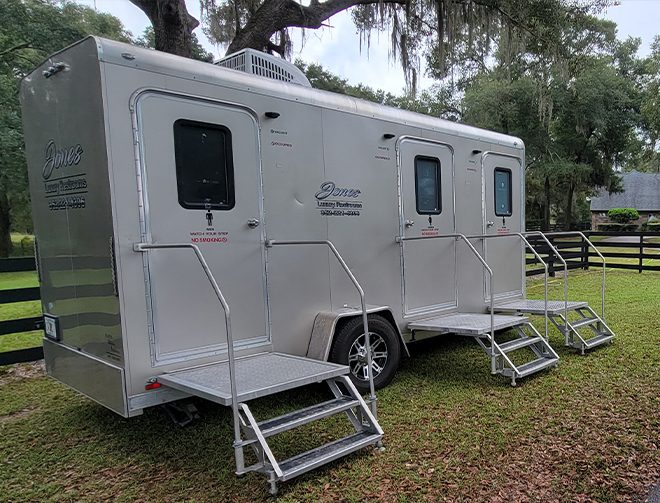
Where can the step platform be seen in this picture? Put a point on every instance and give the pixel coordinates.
(471, 324)
(537, 307)
(478, 326)
(256, 376)
(269, 373)
(597, 331)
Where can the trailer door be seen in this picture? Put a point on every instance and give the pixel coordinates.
(200, 182)
(503, 181)
(427, 210)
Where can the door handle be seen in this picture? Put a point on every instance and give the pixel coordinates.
(489, 224)
(253, 222)
(409, 223)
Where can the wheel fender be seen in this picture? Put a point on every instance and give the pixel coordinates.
(325, 323)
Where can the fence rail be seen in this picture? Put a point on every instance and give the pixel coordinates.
(574, 251)
(633, 247)
(17, 326)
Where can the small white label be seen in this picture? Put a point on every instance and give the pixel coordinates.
(50, 327)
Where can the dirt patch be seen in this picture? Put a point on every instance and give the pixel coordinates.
(22, 371)
(15, 416)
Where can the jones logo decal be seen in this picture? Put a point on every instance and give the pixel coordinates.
(333, 201)
(56, 158)
(330, 189)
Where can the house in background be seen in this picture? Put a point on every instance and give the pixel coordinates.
(641, 191)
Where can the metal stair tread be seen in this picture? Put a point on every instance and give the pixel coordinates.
(313, 458)
(584, 322)
(536, 366)
(467, 323)
(598, 340)
(534, 306)
(523, 342)
(299, 417)
(257, 375)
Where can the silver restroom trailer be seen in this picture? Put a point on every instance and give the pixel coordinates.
(205, 230)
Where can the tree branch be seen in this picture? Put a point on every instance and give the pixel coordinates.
(17, 47)
(276, 15)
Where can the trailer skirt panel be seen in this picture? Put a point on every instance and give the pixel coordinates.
(94, 378)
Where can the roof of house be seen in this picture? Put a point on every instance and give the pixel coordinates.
(641, 191)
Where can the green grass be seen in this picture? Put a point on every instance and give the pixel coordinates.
(23, 244)
(587, 431)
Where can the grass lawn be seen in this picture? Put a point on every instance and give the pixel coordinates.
(587, 431)
(23, 244)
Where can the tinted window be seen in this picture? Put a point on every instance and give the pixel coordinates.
(204, 165)
(502, 192)
(427, 185)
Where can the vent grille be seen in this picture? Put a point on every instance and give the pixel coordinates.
(264, 65)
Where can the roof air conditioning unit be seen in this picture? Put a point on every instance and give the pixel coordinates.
(264, 65)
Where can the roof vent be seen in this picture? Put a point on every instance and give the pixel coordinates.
(264, 65)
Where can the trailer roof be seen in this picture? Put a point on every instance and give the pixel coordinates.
(114, 52)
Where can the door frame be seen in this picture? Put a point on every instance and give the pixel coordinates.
(484, 218)
(433, 309)
(145, 228)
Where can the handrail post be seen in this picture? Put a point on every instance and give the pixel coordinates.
(536, 255)
(545, 282)
(491, 283)
(602, 289)
(143, 247)
(365, 323)
(555, 251)
(586, 240)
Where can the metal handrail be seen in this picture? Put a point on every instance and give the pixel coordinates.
(365, 324)
(493, 366)
(586, 239)
(558, 255)
(143, 247)
(538, 257)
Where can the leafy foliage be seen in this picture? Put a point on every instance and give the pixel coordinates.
(623, 215)
(30, 31)
(453, 35)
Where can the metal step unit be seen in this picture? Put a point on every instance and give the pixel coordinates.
(482, 328)
(569, 317)
(269, 373)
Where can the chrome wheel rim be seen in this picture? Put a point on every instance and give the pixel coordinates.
(357, 356)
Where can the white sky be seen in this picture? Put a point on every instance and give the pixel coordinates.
(338, 48)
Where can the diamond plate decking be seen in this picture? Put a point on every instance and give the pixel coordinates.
(537, 306)
(467, 323)
(256, 376)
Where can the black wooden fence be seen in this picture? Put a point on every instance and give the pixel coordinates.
(22, 324)
(637, 248)
(629, 250)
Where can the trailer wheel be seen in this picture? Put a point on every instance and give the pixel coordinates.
(348, 348)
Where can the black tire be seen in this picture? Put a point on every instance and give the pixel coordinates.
(347, 340)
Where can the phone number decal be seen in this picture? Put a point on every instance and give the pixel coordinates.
(66, 203)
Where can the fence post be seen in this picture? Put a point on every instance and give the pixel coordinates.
(585, 254)
(641, 251)
(551, 260)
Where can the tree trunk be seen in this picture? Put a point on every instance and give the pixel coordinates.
(545, 224)
(5, 226)
(569, 206)
(173, 26)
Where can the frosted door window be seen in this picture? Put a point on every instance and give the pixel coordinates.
(502, 192)
(427, 186)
